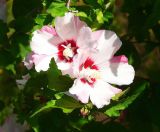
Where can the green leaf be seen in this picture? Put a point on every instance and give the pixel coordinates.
(56, 80)
(101, 2)
(107, 16)
(114, 111)
(66, 103)
(43, 19)
(57, 9)
(119, 95)
(81, 14)
(40, 19)
(99, 16)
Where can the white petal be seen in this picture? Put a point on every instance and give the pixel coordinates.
(102, 93)
(40, 44)
(118, 73)
(84, 39)
(42, 62)
(66, 68)
(107, 42)
(81, 90)
(67, 27)
(68, 72)
(62, 65)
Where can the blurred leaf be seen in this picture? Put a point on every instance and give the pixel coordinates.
(92, 2)
(22, 24)
(3, 27)
(3, 55)
(40, 19)
(3, 32)
(81, 14)
(101, 2)
(105, 127)
(114, 110)
(99, 16)
(154, 16)
(57, 9)
(107, 16)
(24, 8)
(20, 45)
(43, 19)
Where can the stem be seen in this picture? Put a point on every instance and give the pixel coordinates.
(68, 3)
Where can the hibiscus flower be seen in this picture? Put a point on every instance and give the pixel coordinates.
(63, 42)
(42, 50)
(96, 71)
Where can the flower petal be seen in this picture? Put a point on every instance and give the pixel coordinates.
(49, 29)
(66, 68)
(118, 59)
(120, 73)
(28, 61)
(84, 39)
(81, 90)
(107, 42)
(78, 60)
(102, 93)
(40, 43)
(67, 27)
(41, 62)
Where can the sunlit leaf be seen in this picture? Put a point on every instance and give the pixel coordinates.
(123, 104)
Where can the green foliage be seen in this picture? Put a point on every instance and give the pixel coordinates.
(124, 103)
(66, 103)
(57, 9)
(43, 102)
(56, 80)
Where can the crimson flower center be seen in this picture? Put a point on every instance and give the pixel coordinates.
(89, 72)
(67, 50)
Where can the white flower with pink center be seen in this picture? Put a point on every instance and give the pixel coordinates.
(96, 71)
(69, 37)
(42, 50)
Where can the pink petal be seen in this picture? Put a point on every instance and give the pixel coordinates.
(68, 26)
(118, 59)
(49, 29)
